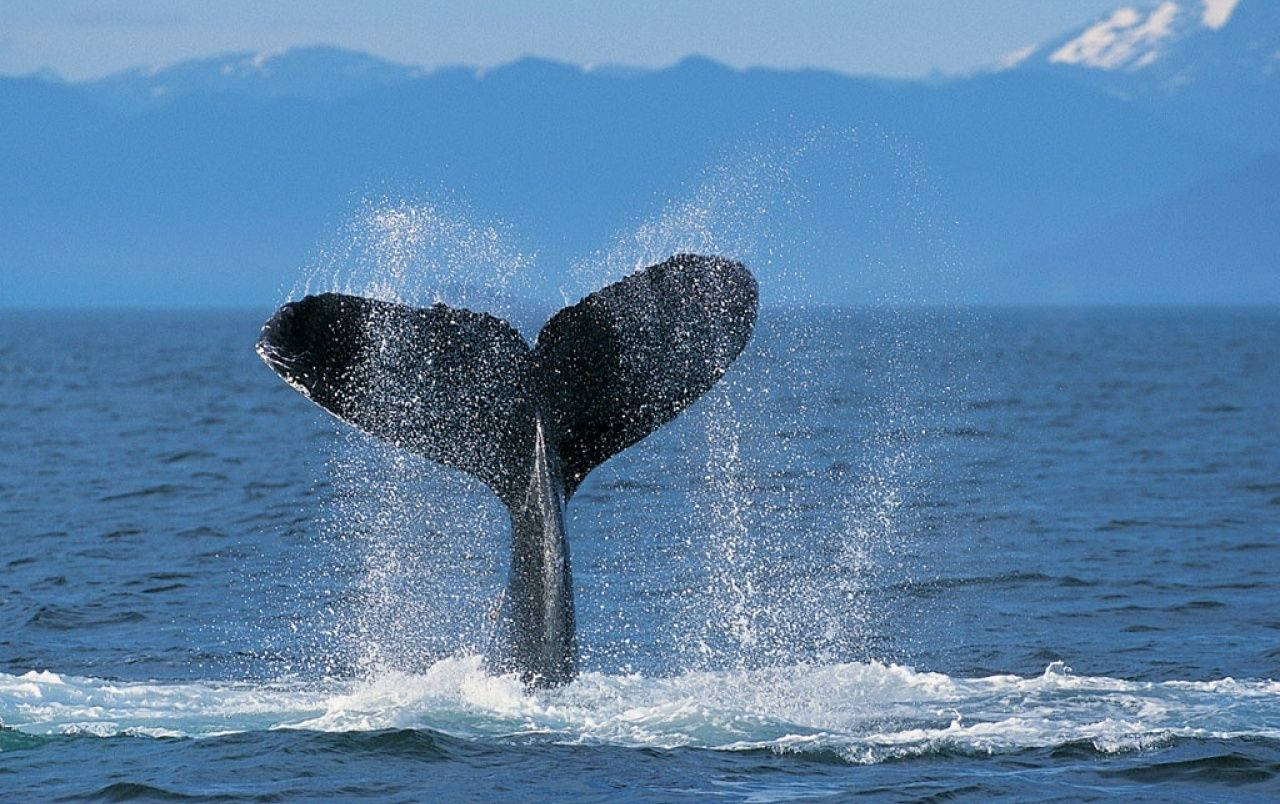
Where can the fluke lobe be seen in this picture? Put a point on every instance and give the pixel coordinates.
(464, 389)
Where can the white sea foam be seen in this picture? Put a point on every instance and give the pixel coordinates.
(864, 712)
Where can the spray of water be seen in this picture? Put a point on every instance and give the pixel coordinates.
(419, 253)
(764, 575)
(422, 548)
(757, 571)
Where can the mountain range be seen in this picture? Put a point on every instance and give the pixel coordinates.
(1135, 160)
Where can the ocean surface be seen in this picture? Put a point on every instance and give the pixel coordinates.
(904, 554)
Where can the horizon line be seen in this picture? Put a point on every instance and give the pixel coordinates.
(958, 306)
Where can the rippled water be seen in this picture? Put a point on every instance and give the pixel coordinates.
(912, 554)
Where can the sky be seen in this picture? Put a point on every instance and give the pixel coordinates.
(907, 38)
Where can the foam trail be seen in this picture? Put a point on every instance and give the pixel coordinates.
(862, 712)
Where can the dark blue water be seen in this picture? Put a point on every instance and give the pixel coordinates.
(899, 553)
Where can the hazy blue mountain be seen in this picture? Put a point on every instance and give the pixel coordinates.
(1218, 242)
(317, 73)
(218, 181)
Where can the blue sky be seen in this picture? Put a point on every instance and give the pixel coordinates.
(888, 37)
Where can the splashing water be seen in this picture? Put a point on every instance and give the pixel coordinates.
(859, 712)
(425, 545)
(748, 595)
(419, 254)
(428, 547)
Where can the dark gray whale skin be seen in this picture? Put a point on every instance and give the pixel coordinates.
(465, 390)
(539, 616)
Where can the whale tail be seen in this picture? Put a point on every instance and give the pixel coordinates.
(465, 390)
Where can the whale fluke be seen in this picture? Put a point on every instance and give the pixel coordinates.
(628, 358)
(465, 390)
(448, 384)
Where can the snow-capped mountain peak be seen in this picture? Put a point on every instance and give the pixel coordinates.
(1217, 13)
(1128, 38)
(1215, 48)
(1214, 60)
(1131, 38)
